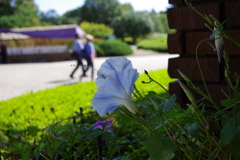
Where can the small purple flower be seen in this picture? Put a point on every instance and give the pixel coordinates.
(113, 64)
(101, 124)
(114, 91)
(206, 127)
(175, 138)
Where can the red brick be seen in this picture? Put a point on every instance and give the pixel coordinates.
(175, 43)
(174, 88)
(194, 38)
(175, 1)
(234, 65)
(215, 91)
(185, 18)
(232, 13)
(210, 69)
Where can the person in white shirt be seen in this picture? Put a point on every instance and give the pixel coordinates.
(78, 48)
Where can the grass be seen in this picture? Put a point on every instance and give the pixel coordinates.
(46, 107)
(157, 44)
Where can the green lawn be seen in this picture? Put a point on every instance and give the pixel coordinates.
(51, 105)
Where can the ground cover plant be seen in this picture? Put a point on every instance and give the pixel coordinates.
(25, 118)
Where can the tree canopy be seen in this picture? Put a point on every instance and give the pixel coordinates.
(121, 17)
(133, 24)
(100, 11)
(72, 17)
(18, 13)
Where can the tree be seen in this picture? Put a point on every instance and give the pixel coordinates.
(134, 24)
(24, 13)
(118, 22)
(156, 20)
(50, 17)
(119, 28)
(72, 17)
(6, 7)
(163, 28)
(126, 7)
(100, 11)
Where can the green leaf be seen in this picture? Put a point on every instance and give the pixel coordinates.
(160, 109)
(64, 155)
(152, 94)
(160, 148)
(37, 156)
(226, 120)
(228, 133)
(56, 156)
(192, 128)
(14, 131)
(32, 130)
(124, 120)
(169, 104)
(171, 114)
(238, 119)
(84, 130)
(184, 76)
(235, 145)
(59, 133)
(107, 136)
(231, 101)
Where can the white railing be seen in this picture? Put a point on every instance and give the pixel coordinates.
(38, 50)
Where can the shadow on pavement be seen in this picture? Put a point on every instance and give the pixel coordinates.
(60, 81)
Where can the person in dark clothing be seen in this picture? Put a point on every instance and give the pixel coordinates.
(77, 47)
(4, 52)
(89, 54)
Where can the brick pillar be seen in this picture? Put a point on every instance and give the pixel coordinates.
(190, 31)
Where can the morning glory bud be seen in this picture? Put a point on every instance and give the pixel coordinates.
(219, 43)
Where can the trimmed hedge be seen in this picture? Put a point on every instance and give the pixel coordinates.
(113, 48)
(156, 44)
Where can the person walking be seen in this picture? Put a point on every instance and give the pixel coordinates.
(89, 54)
(77, 48)
(4, 52)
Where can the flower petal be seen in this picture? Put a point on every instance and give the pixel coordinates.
(100, 124)
(116, 90)
(113, 64)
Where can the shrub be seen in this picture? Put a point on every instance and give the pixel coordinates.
(96, 29)
(156, 44)
(115, 48)
(99, 50)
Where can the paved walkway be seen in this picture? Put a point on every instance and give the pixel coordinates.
(22, 78)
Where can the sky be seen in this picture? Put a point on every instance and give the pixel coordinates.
(62, 6)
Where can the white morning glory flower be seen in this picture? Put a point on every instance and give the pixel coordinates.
(113, 64)
(114, 91)
(219, 45)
